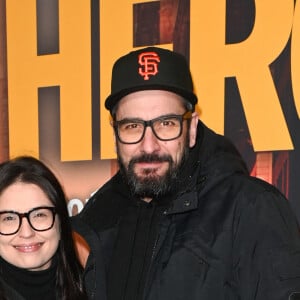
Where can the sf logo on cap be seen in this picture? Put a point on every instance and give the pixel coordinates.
(149, 62)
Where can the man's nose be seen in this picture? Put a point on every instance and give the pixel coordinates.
(150, 142)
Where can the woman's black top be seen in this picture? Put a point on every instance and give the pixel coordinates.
(30, 285)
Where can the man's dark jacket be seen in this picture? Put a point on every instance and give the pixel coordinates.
(226, 235)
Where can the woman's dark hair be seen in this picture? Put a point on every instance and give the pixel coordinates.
(28, 169)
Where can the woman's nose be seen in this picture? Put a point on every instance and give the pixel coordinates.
(26, 230)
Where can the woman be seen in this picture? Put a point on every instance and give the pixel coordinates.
(37, 257)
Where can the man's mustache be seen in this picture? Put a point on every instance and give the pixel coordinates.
(148, 158)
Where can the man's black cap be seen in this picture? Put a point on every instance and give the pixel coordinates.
(150, 68)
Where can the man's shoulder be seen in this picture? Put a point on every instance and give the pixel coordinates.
(103, 194)
(257, 195)
(104, 206)
(256, 186)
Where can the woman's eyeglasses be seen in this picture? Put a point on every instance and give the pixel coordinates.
(39, 218)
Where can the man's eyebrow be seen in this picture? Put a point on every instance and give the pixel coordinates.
(157, 118)
(130, 120)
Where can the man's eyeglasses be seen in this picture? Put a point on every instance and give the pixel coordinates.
(165, 128)
(39, 218)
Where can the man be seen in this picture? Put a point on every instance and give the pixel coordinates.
(182, 219)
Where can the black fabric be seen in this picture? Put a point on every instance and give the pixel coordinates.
(31, 285)
(224, 235)
(8, 293)
(133, 251)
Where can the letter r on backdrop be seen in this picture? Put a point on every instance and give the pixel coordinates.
(212, 60)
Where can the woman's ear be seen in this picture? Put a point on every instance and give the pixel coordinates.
(193, 129)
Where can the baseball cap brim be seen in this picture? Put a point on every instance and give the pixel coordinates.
(113, 99)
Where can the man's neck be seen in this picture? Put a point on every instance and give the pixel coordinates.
(148, 200)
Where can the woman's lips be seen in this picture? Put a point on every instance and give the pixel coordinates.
(27, 248)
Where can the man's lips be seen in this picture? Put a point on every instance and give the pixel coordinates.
(148, 164)
(151, 165)
(27, 248)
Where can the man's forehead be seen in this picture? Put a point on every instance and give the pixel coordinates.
(151, 98)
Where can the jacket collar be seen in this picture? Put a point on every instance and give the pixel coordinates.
(210, 161)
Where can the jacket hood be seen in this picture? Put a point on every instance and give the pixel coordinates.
(211, 160)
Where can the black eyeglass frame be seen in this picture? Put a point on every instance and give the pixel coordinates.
(185, 116)
(26, 215)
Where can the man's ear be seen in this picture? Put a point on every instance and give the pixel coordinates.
(193, 129)
(115, 138)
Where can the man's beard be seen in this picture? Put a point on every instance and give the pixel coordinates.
(150, 184)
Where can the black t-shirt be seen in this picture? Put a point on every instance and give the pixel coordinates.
(133, 251)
